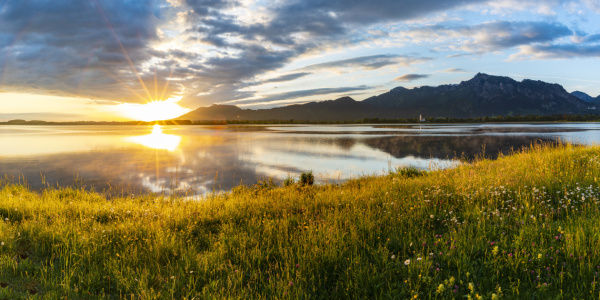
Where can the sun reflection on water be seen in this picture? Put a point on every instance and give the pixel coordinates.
(157, 140)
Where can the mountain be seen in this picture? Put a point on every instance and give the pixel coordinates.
(343, 109)
(483, 95)
(583, 96)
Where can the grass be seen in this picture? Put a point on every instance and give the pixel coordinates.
(523, 226)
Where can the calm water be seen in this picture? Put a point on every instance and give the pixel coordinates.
(200, 159)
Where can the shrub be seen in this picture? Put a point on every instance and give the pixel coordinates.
(307, 178)
(289, 181)
(409, 172)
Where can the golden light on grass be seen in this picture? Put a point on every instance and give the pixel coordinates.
(157, 140)
(153, 110)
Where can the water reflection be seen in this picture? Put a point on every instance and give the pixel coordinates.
(157, 139)
(199, 159)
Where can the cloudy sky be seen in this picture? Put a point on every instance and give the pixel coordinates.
(105, 59)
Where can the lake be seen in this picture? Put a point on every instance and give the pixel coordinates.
(194, 160)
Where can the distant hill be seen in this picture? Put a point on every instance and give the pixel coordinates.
(483, 95)
(583, 96)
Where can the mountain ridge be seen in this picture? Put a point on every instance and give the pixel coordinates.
(483, 95)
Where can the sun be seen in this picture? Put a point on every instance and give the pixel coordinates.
(153, 110)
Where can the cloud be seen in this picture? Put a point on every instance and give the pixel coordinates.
(212, 51)
(489, 36)
(369, 62)
(287, 77)
(284, 97)
(454, 70)
(286, 30)
(592, 4)
(411, 77)
(562, 51)
(75, 47)
(47, 116)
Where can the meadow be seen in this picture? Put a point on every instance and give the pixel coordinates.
(524, 226)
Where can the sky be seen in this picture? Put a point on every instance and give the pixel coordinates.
(68, 60)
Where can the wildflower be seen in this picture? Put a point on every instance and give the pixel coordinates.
(418, 258)
(495, 251)
(539, 256)
(441, 288)
(431, 216)
(6, 219)
(1, 243)
(393, 256)
(407, 262)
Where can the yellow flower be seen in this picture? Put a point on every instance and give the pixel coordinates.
(495, 251)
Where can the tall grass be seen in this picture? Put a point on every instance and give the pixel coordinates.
(523, 226)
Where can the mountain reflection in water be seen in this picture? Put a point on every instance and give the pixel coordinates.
(194, 160)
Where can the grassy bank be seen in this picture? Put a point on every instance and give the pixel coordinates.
(524, 226)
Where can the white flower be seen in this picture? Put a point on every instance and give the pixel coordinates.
(393, 256)
(431, 216)
(418, 258)
(407, 262)
(1, 243)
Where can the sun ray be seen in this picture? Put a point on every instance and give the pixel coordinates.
(156, 86)
(126, 87)
(123, 50)
(167, 81)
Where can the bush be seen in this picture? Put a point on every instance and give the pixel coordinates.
(289, 181)
(409, 172)
(307, 178)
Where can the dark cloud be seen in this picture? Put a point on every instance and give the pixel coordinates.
(320, 17)
(287, 77)
(592, 38)
(411, 77)
(503, 34)
(75, 47)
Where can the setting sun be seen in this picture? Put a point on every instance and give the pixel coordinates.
(153, 110)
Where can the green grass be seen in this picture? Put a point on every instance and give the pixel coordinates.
(524, 226)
